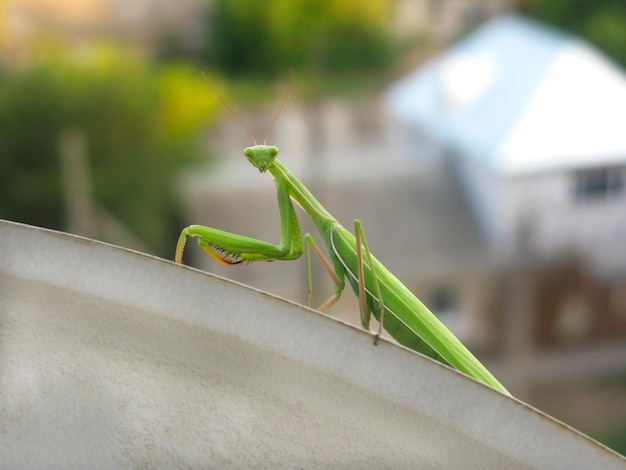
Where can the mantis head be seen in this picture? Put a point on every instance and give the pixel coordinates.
(261, 156)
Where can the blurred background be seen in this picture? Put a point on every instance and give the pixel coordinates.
(481, 142)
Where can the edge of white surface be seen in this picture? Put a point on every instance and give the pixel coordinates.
(300, 334)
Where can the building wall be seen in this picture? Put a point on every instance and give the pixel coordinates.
(546, 212)
(559, 221)
(483, 192)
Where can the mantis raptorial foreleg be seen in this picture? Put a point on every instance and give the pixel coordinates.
(230, 248)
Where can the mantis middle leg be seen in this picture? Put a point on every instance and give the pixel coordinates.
(361, 243)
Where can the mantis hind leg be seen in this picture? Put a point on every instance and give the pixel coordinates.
(361, 243)
(339, 283)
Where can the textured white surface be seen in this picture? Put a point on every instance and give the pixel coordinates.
(114, 359)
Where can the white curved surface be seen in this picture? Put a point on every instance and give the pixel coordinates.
(113, 359)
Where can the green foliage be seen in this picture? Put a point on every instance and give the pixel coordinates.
(607, 30)
(141, 127)
(32, 110)
(327, 37)
(602, 22)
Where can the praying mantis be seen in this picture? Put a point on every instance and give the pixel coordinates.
(380, 293)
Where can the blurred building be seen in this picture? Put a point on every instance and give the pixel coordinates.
(530, 125)
(532, 122)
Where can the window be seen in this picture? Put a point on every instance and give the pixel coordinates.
(598, 183)
(444, 300)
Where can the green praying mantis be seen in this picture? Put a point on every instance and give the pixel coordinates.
(380, 293)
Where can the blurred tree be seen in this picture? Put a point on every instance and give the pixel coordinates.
(607, 30)
(141, 126)
(602, 22)
(328, 37)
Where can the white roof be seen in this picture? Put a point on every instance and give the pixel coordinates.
(520, 97)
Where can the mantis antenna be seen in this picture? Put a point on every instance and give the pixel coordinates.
(269, 131)
(231, 110)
